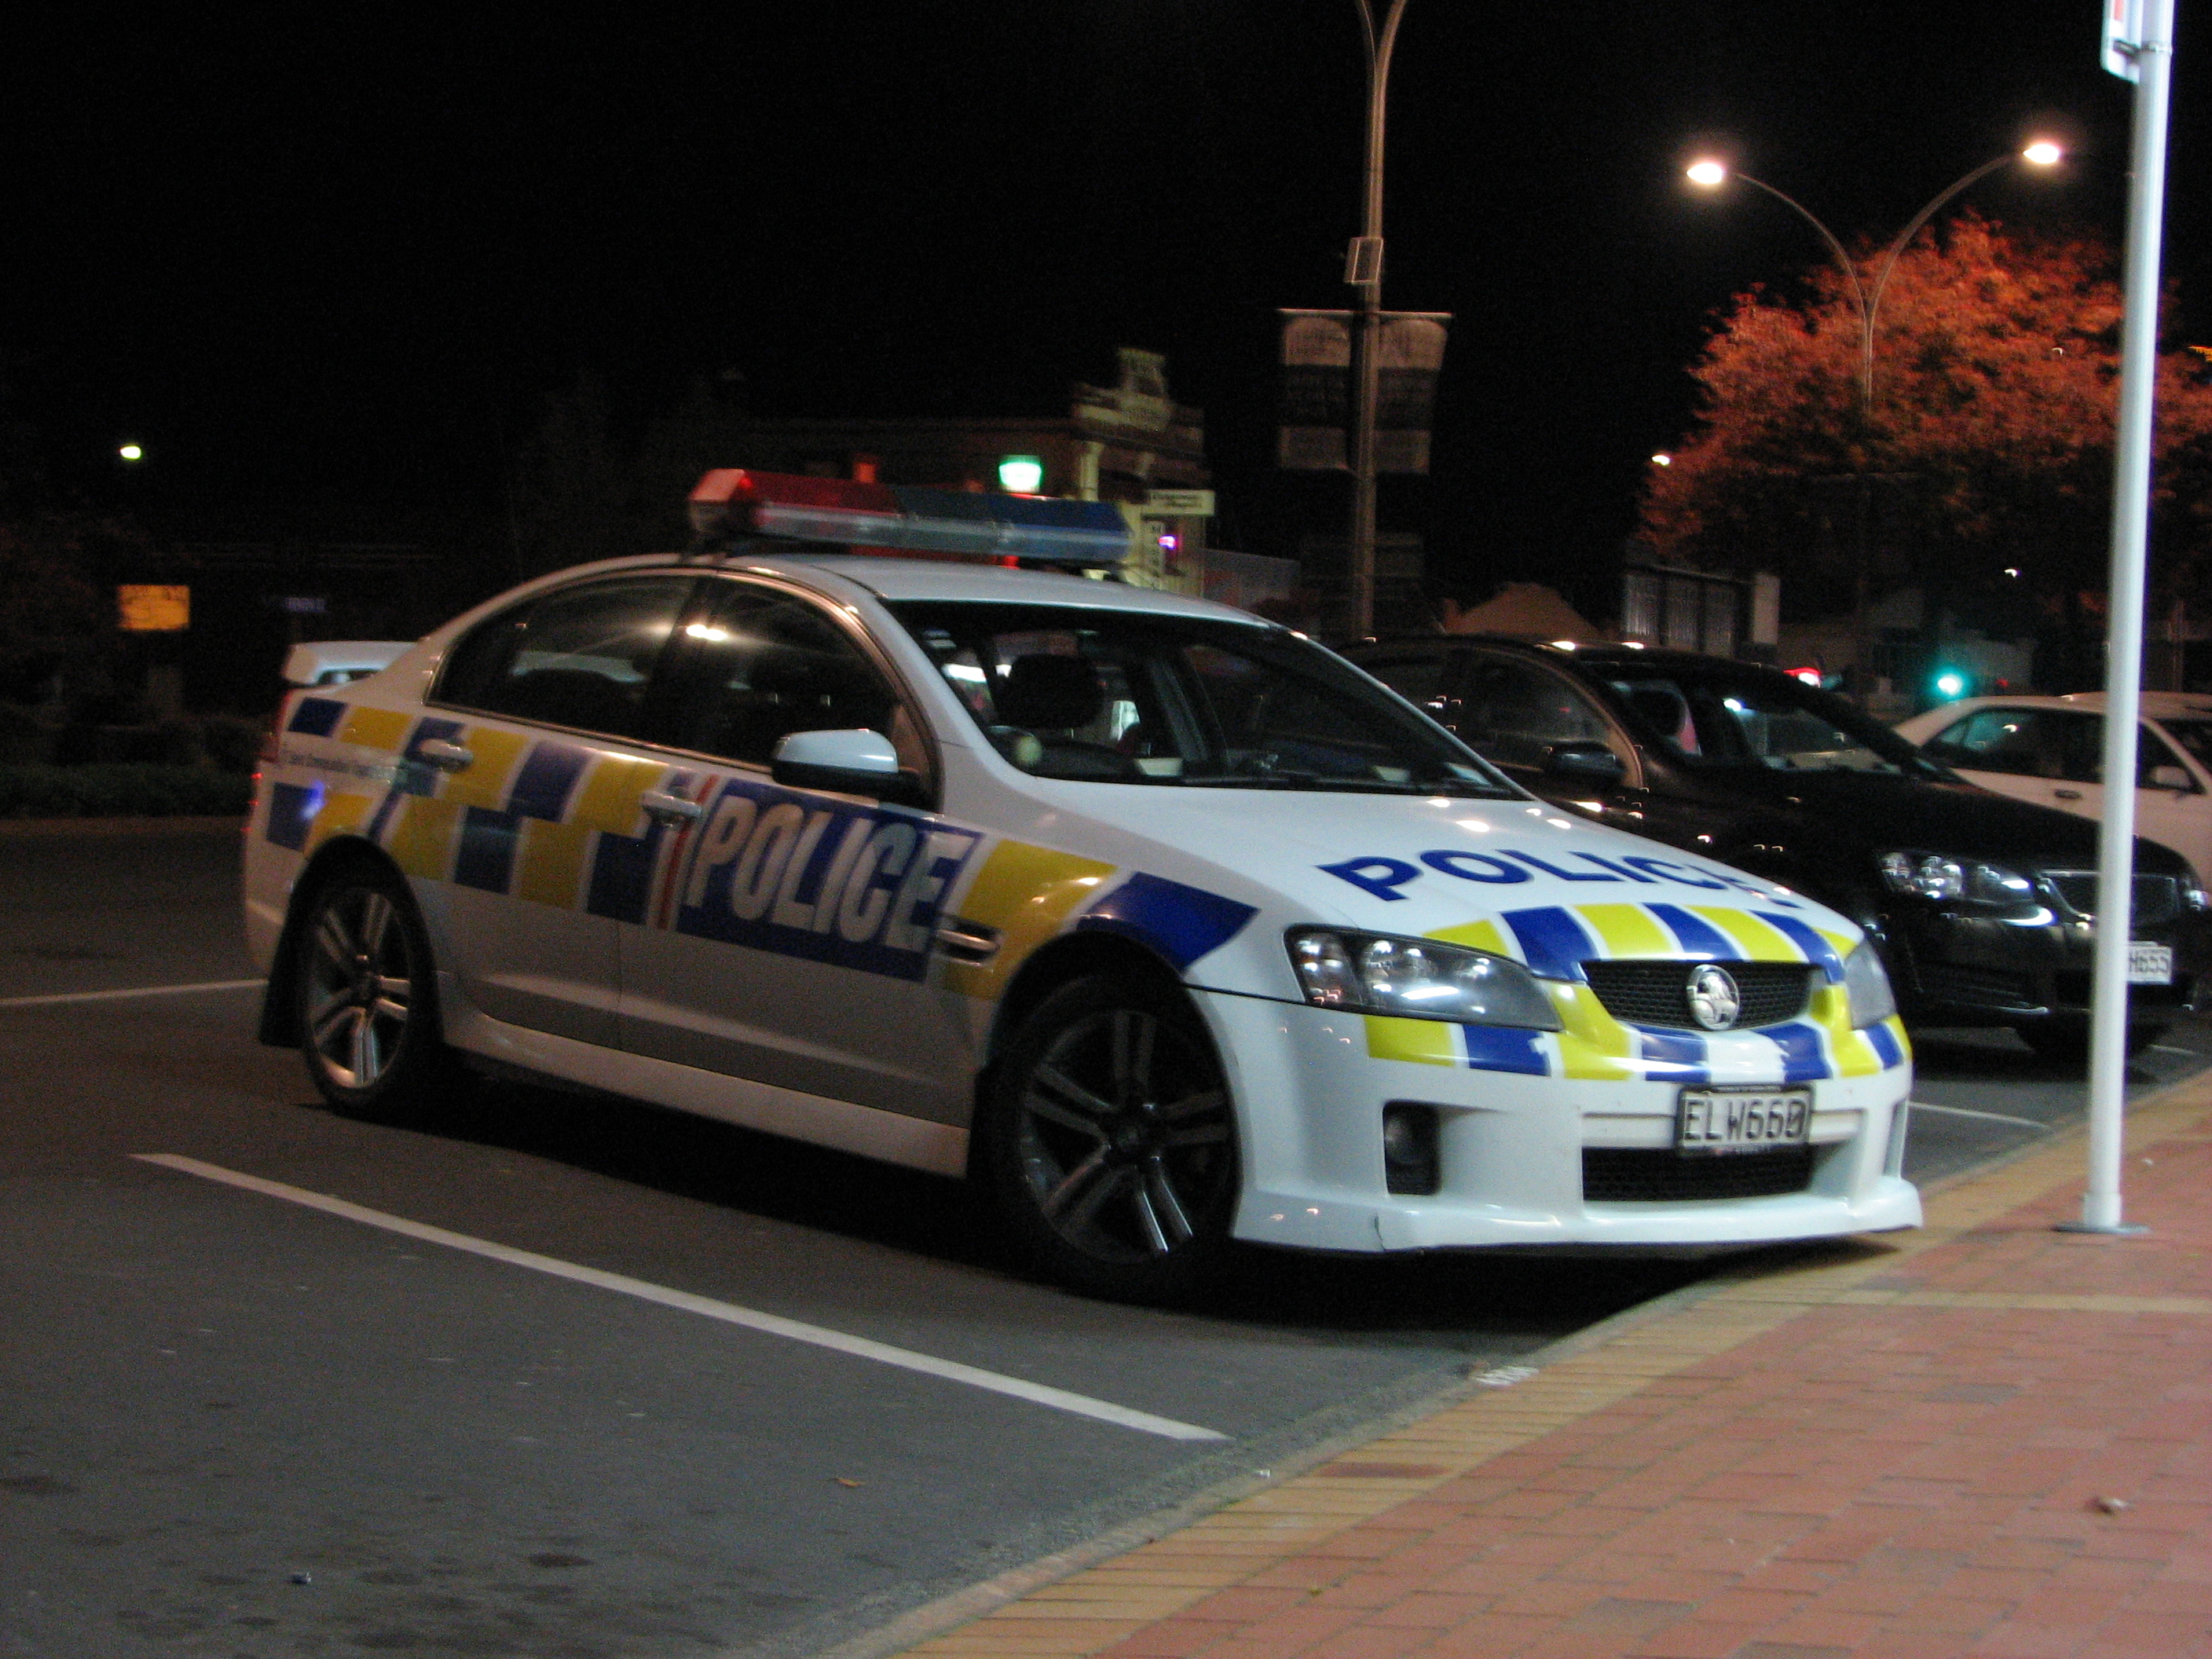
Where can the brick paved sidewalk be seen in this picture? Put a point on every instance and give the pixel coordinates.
(1984, 1438)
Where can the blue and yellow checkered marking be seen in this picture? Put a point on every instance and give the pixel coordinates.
(1555, 940)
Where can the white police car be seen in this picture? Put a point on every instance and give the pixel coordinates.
(1166, 924)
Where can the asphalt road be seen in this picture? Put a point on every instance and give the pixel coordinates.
(530, 1395)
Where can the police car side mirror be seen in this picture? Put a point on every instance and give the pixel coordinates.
(1584, 763)
(859, 762)
(2171, 777)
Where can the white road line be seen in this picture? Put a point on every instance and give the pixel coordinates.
(1987, 1117)
(729, 1313)
(138, 991)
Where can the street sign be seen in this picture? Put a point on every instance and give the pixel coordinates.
(1180, 503)
(153, 608)
(2124, 21)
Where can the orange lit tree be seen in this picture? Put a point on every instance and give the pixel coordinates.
(1987, 443)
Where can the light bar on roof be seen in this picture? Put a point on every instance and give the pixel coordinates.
(885, 518)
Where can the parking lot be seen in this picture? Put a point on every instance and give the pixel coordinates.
(568, 1376)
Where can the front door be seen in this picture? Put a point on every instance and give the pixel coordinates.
(790, 933)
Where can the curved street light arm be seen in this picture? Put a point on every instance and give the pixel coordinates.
(1379, 55)
(1850, 275)
(1905, 236)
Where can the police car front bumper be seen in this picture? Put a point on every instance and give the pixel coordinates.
(1522, 1158)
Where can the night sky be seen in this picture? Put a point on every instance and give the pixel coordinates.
(328, 266)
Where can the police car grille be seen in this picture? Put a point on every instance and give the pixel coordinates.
(1658, 993)
(1620, 1175)
(2158, 898)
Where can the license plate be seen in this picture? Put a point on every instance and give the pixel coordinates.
(1742, 1119)
(2150, 964)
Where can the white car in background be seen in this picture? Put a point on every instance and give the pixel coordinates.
(1162, 922)
(2050, 750)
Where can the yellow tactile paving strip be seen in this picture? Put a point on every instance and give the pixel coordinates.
(1095, 1608)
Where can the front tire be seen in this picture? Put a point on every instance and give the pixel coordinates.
(367, 1001)
(1108, 1142)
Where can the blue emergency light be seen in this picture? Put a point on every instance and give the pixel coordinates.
(897, 519)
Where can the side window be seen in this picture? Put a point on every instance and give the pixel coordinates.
(1420, 681)
(2157, 767)
(1513, 711)
(2007, 740)
(2083, 754)
(2080, 749)
(763, 664)
(578, 656)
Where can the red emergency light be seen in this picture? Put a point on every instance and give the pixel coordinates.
(893, 519)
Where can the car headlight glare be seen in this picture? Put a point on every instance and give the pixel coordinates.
(1417, 979)
(1866, 987)
(1936, 876)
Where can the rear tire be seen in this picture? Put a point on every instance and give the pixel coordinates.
(1107, 1143)
(366, 996)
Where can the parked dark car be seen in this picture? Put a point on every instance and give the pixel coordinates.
(1981, 905)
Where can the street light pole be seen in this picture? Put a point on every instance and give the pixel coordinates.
(1363, 270)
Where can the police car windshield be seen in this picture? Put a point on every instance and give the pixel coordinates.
(1115, 696)
(1717, 718)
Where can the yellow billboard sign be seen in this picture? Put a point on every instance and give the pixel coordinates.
(153, 608)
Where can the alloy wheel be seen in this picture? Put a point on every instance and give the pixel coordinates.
(1124, 1136)
(360, 987)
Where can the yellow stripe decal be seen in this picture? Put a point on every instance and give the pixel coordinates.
(1476, 936)
(375, 728)
(1592, 1042)
(1426, 1042)
(1759, 941)
(420, 837)
(1628, 930)
(491, 774)
(1027, 893)
(340, 815)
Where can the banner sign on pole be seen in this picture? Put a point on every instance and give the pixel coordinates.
(1317, 389)
(2124, 32)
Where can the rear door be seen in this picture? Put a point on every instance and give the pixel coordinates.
(522, 806)
(790, 934)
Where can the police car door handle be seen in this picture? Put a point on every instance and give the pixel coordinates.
(669, 809)
(967, 941)
(2067, 795)
(446, 756)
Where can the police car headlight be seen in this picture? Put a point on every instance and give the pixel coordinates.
(1417, 979)
(1866, 986)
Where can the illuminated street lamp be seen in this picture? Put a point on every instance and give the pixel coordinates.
(132, 452)
(1709, 174)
